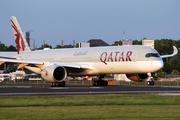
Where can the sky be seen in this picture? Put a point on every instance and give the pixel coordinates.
(82, 20)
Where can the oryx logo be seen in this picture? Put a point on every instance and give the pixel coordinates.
(46, 73)
(18, 39)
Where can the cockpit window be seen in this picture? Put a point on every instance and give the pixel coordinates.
(152, 55)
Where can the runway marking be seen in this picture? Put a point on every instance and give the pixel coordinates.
(56, 88)
(96, 87)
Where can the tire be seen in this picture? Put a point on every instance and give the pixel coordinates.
(152, 82)
(53, 84)
(100, 83)
(149, 83)
(105, 83)
(94, 83)
(61, 84)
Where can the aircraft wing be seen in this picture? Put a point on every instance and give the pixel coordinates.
(2, 60)
(45, 63)
(174, 53)
(73, 65)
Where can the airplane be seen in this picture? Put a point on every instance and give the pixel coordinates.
(54, 65)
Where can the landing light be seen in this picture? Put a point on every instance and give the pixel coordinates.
(87, 77)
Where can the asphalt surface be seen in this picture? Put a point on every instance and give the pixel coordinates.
(44, 89)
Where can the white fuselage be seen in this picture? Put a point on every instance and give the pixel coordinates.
(103, 60)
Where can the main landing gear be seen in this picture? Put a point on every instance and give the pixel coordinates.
(100, 82)
(150, 83)
(58, 84)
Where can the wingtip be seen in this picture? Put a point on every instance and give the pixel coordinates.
(175, 50)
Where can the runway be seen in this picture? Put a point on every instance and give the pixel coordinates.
(85, 90)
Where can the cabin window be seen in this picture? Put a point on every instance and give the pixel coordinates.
(152, 55)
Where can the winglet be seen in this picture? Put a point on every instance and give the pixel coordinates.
(21, 43)
(174, 53)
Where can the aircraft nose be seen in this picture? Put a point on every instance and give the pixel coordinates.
(158, 64)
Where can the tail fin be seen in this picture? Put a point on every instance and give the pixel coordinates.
(21, 43)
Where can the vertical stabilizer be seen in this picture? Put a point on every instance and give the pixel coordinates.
(21, 43)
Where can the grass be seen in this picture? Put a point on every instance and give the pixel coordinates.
(92, 112)
(143, 106)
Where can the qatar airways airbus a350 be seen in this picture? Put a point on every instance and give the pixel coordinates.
(55, 65)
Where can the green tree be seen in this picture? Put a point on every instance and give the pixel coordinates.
(11, 48)
(2, 47)
(58, 46)
(65, 46)
(45, 46)
(116, 43)
(68, 46)
(175, 72)
(161, 74)
(137, 42)
(164, 46)
(174, 63)
(167, 67)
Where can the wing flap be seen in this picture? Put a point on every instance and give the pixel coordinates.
(74, 65)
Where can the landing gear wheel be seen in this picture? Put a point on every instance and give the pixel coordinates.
(58, 84)
(94, 83)
(53, 84)
(61, 84)
(100, 83)
(150, 83)
(105, 83)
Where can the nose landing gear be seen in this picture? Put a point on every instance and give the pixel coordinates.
(151, 82)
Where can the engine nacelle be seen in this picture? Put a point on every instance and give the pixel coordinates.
(138, 77)
(54, 73)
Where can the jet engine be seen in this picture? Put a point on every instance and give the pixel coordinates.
(138, 77)
(54, 73)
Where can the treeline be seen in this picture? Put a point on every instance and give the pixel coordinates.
(163, 46)
(3, 47)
